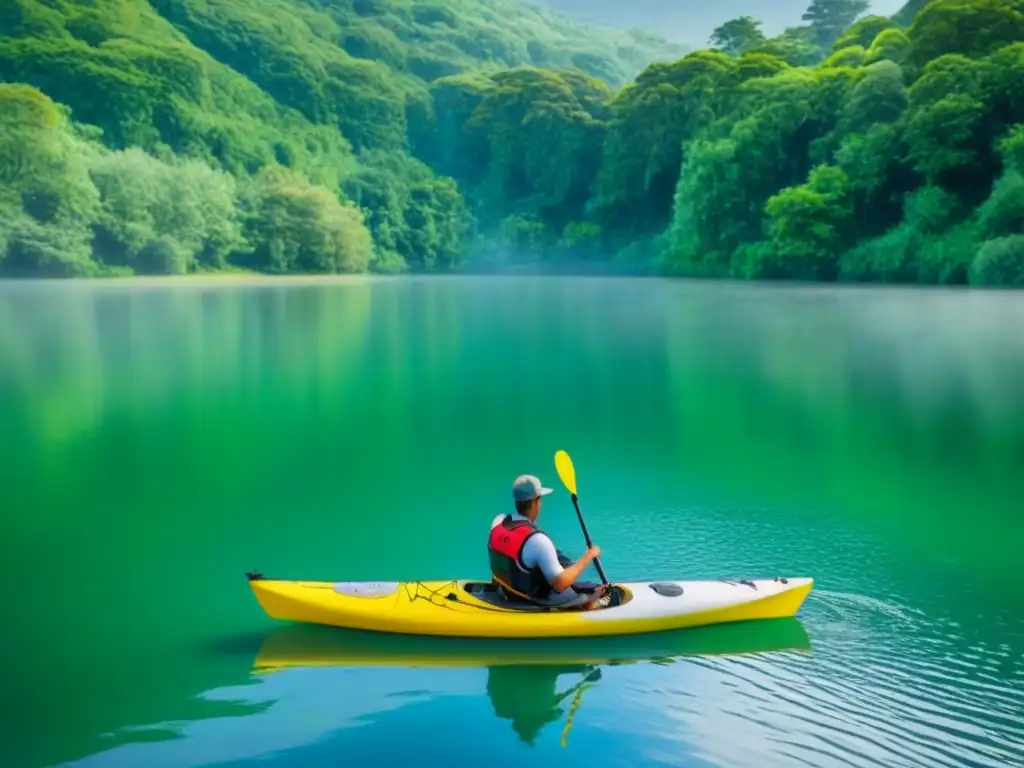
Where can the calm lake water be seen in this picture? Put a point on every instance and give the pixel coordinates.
(158, 442)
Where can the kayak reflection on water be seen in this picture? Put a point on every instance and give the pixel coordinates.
(528, 695)
(522, 678)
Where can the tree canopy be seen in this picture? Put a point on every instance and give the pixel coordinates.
(292, 135)
(312, 114)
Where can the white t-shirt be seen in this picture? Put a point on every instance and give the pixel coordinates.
(540, 551)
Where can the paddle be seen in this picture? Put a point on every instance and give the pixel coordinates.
(592, 677)
(567, 474)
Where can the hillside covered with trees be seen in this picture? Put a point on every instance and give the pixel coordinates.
(296, 135)
(271, 134)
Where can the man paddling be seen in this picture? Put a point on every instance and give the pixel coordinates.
(524, 560)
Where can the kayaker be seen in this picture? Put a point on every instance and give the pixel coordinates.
(524, 560)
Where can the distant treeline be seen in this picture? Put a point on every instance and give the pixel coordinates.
(286, 135)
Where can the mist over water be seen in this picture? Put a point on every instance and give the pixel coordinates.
(161, 440)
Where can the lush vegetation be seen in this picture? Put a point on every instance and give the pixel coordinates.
(897, 158)
(277, 135)
(300, 135)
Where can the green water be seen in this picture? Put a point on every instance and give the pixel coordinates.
(158, 442)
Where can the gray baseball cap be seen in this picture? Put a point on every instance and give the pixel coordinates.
(527, 488)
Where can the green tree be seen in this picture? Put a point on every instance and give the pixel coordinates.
(1002, 214)
(163, 217)
(891, 45)
(973, 28)
(737, 36)
(797, 46)
(878, 178)
(809, 226)
(828, 18)
(905, 16)
(296, 226)
(1000, 262)
(850, 57)
(47, 199)
(643, 150)
(544, 132)
(863, 32)
(438, 221)
(878, 96)
(448, 142)
(943, 137)
(408, 208)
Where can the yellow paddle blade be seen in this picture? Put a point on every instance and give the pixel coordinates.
(572, 710)
(566, 471)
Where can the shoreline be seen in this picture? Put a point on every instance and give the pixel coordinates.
(195, 280)
(258, 279)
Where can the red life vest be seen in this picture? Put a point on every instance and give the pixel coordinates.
(505, 551)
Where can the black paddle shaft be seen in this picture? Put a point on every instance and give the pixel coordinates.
(586, 535)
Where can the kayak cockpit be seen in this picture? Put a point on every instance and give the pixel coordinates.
(493, 594)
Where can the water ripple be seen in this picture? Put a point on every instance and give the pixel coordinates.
(907, 692)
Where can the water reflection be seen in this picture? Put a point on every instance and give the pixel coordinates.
(157, 443)
(528, 699)
(316, 684)
(522, 675)
(898, 409)
(299, 645)
(76, 355)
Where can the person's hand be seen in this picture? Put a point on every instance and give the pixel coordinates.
(593, 553)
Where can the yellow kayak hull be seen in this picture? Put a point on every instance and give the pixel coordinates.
(460, 608)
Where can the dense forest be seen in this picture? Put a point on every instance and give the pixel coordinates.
(302, 135)
(278, 135)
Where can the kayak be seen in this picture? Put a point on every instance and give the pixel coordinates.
(467, 608)
(301, 646)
